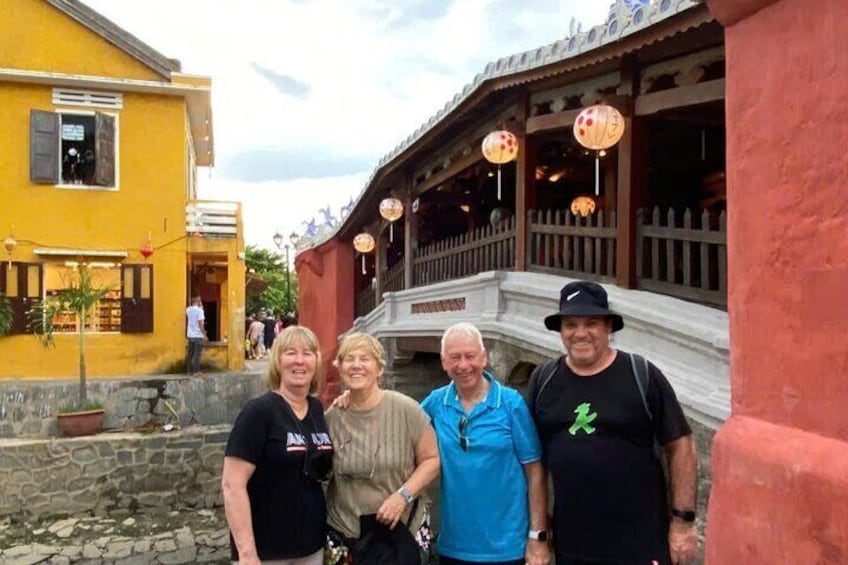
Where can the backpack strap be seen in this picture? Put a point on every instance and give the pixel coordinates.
(639, 365)
(539, 379)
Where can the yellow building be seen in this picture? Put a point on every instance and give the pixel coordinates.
(102, 137)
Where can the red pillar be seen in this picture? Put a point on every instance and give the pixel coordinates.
(780, 463)
(325, 286)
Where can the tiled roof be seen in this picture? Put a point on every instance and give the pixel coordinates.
(626, 17)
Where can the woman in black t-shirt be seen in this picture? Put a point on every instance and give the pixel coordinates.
(278, 453)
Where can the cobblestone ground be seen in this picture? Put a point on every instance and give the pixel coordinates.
(150, 538)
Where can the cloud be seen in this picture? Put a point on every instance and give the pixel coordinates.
(285, 84)
(261, 165)
(308, 95)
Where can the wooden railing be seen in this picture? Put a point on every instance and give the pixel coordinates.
(213, 219)
(392, 278)
(366, 300)
(488, 248)
(682, 259)
(564, 244)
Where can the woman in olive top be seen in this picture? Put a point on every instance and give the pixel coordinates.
(386, 451)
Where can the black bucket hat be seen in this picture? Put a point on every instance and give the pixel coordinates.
(583, 298)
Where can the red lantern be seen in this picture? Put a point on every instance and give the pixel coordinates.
(598, 127)
(146, 250)
(500, 147)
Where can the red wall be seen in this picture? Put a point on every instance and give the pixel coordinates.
(780, 464)
(325, 283)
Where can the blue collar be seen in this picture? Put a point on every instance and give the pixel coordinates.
(492, 400)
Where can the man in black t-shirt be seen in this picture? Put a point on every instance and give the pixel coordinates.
(599, 424)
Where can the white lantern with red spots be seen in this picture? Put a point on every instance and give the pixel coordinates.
(500, 147)
(364, 243)
(598, 127)
(583, 206)
(391, 209)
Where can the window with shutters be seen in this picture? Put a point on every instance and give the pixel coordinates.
(75, 149)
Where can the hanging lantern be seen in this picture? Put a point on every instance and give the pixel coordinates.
(391, 209)
(364, 243)
(146, 249)
(583, 206)
(598, 127)
(500, 147)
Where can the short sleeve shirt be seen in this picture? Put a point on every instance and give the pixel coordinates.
(194, 316)
(287, 507)
(375, 455)
(484, 508)
(599, 449)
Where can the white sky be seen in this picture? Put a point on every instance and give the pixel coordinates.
(309, 94)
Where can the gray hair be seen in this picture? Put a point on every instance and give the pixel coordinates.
(463, 329)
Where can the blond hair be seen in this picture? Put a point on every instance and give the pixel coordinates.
(357, 340)
(294, 335)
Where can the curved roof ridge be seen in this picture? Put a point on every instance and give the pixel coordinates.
(625, 18)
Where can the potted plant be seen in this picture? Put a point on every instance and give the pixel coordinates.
(80, 297)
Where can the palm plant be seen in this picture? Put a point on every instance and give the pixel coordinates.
(80, 297)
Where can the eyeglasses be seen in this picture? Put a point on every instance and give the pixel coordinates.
(463, 439)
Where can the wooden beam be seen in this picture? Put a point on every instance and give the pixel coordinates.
(410, 239)
(548, 122)
(453, 169)
(700, 93)
(525, 181)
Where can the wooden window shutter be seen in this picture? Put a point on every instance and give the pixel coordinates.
(43, 147)
(104, 149)
(136, 299)
(23, 285)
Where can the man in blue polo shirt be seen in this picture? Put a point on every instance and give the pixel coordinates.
(493, 491)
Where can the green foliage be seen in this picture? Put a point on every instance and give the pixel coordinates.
(270, 266)
(80, 296)
(90, 405)
(5, 314)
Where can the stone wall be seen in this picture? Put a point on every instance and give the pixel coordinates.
(113, 473)
(28, 408)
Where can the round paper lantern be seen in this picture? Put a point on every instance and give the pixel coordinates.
(391, 209)
(599, 127)
(498, 215)
(146, 250)
(500, 147)
(364, 242)
(583, 206)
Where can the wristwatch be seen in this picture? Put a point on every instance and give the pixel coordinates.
(406, 494)
(685, 515)
(539, 535)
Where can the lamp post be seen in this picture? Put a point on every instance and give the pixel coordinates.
(278, 241)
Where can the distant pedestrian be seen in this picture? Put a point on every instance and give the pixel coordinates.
(255, 333)
(195, 334)
(268, 333)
